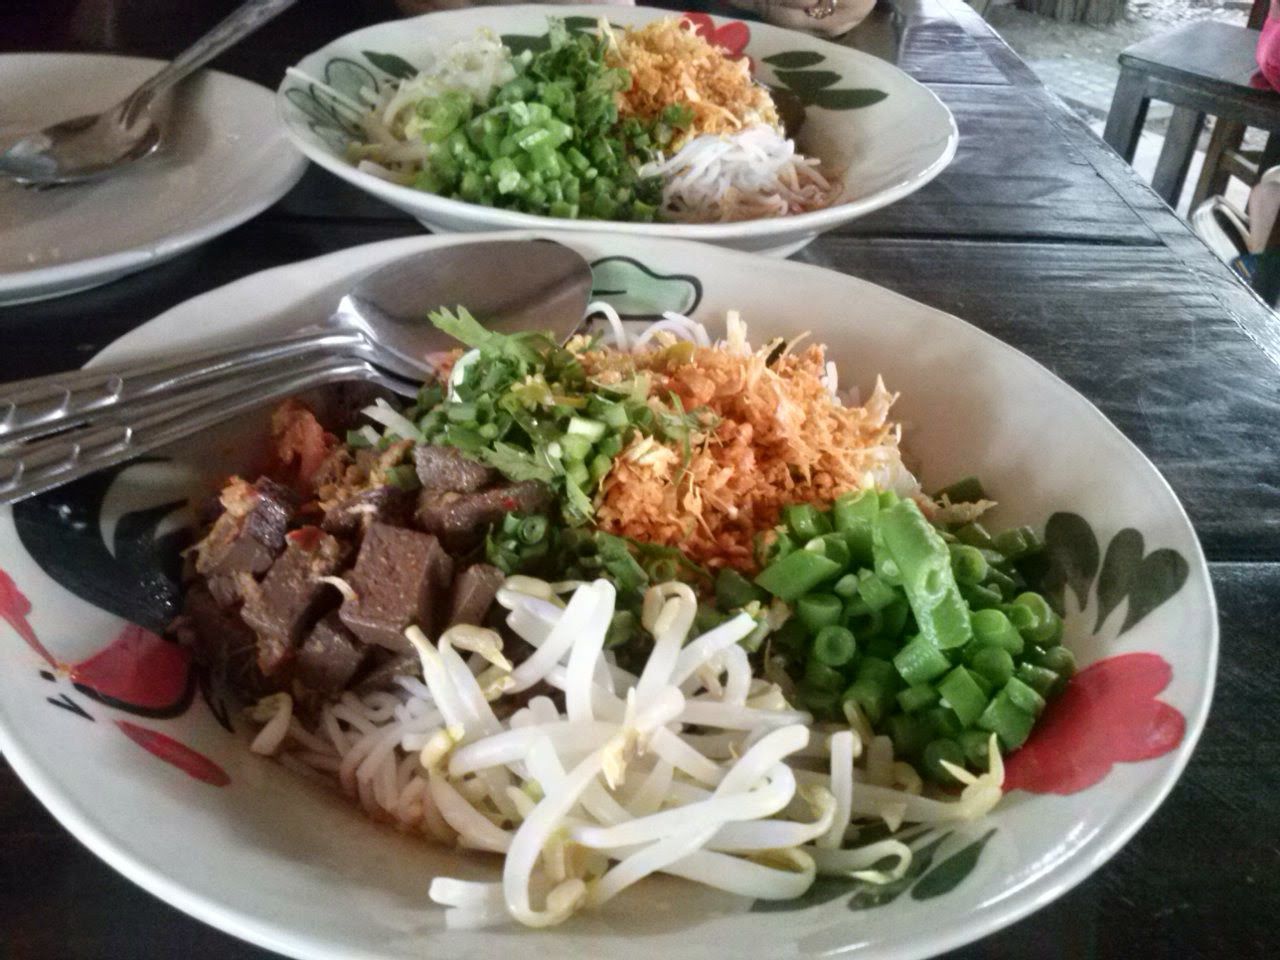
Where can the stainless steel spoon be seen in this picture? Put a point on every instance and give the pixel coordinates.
(56, 429)
(94, 145)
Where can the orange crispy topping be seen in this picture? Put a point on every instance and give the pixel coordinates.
(670, 64)
(780, 439)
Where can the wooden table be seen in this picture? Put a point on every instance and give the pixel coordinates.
(1037, 233)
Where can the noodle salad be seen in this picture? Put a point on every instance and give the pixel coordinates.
(636, 604)
(649, 123)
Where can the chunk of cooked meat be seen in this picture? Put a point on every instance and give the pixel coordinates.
(292, 596)
(225, 588)
(249, 534)
(401, 577)
(473, 593)
(462, 519)
(224, 644)
(448, 468)
(329, 657)
(352, 516)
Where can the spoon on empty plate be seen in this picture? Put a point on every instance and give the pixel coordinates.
(94, 145)
(56, 429)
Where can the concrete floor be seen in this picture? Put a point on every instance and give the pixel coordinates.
(1078, 63)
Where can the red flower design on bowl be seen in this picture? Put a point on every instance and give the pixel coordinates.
(1108, 714)
(732, 37)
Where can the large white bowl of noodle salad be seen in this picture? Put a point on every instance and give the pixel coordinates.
(752, 822)
(717, 156)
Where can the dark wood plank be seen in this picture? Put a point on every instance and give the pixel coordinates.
(1207, 51)
(1238, 302)
(1016, 173)
(1207, 854)
(1153, 344)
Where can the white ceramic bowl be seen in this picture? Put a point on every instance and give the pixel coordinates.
(884, 151)
(250, 847)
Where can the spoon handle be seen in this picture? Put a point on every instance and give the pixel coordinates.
(239, 24)
(51, 463)
(44, 405)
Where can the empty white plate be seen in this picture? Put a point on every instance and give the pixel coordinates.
(223, 160)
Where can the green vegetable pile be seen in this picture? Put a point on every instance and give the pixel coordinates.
(550, 141)
(525, 407)
(934, 634)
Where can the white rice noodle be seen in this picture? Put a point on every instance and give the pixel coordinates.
(751, 173)
(619, 339)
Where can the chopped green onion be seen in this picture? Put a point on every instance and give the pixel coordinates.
(533, 529)
(593, 430)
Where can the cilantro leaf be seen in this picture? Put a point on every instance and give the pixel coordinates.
(516, 464)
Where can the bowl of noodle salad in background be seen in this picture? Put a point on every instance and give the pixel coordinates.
(645, 123)
(748, 640)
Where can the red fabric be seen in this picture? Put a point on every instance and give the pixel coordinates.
(1268, 54)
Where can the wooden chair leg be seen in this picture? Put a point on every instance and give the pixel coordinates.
(1128, 113)
(1227, 135)
(1175, 158)
(1270, 154)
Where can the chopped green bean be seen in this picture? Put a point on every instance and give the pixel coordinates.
(834, 645)
(853, 515)
(846, 587)
(920, 661)
(1040, 679)
(965, 490)
(874, 687)
(975, 535)
(832, 546)
(1024, 697)
(993, 628)
(805, 521)
(935, 752)
(733, 590)
(909, 540)
(994, 663)
(1011, 724)
(796, 574)
(822, 677)
(963, 695)
(976, 745)
(968, 564)
(875, 593)
(910, 734)
(818, 610)
(918, 697)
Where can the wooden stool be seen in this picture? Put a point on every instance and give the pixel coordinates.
(1202, 69)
